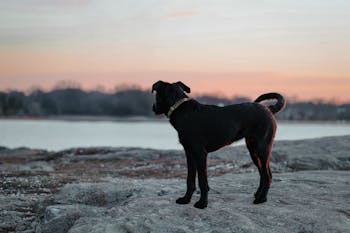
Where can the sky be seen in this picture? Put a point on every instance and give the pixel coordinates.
(225, 47)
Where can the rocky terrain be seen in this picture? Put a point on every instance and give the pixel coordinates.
(134, 190)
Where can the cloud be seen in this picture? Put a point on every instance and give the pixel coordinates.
(183, 13)
(44, 3)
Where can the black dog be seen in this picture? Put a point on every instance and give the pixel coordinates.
(206, 128)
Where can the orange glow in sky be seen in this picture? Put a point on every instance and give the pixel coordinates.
(301, 49)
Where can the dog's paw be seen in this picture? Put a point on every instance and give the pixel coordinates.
(257, 194)
(260, 200)
(201, 204)
(183, 200)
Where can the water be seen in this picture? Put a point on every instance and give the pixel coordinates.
(57, 135)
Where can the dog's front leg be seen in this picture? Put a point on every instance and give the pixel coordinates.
(191, 180)
(201, 165)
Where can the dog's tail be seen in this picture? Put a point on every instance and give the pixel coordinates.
(280, 104)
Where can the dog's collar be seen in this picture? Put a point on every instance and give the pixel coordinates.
(176, 105)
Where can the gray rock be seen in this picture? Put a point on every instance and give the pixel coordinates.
(110, 154)
(28, 167)
(16, 212)
(60, 218)
(69, 192)
(309, 201)
(96, 194)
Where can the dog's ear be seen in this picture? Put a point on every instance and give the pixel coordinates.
(156, 86)
(183, 87)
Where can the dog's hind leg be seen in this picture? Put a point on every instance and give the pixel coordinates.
(263, 154)
(253, 154)
(191, 180)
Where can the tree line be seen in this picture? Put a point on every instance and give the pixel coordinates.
(136, 102)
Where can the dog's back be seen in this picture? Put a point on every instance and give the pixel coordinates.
(220, 126)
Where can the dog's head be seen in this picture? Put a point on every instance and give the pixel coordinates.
(167, 94)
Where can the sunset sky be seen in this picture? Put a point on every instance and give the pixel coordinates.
(298, 48)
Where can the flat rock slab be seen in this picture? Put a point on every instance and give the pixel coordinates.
(134, 190)
(98, 194)
(308, 201)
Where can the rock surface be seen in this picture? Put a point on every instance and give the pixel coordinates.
(134, 190)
